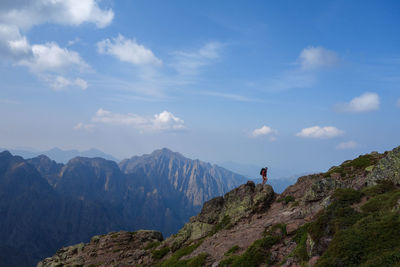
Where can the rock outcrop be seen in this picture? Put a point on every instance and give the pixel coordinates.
(126, 248)
(387, 169)
(224, 212)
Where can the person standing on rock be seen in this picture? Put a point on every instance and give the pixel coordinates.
(263, 173)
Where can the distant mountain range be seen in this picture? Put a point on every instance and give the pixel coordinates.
(45, 205)
(59, 155)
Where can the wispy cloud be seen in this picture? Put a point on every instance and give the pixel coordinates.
(190, 62)
(305, 72)
(234, 97)
(291, 80)
(317, 57)
(318, 132)
(347, 145)
(9, 101)
(177, 72)
(364, 103)
(74, 41)
(162, 122)
(86, 127)
(60, 82)
(127, 50)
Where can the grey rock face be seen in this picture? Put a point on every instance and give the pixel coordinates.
(388, 168)
(127, 247)
(219, 212)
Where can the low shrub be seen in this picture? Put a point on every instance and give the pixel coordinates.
(152, 245)
(232, 250)
(174, 259)
(160, 253)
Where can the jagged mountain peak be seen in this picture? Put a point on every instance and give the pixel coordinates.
(91, 161)
(166, 152)
(5, 154)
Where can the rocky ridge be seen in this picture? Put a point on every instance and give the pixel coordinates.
(325, 219)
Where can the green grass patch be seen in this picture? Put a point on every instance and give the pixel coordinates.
(301, 238)
(174, 259)
(197, 261)
(232, 250)
(225, 223)
(338, 215)
(115, 235)
(382, 203)
(361, 162)
(374, 239)
(160, 253)
(351, 168)
(287, 199)
(278, 229)
(254, 255)
(382, 187)
(152, 245)
(369, 238)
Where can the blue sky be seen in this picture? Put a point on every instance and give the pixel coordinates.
(299, 85)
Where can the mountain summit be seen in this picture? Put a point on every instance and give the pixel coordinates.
(347, 216)
(198, 181)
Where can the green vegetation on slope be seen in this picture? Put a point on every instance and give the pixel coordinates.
(351, 168)
(174, 260)
(369, 237)
(258, 252)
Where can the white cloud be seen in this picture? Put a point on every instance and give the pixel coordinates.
(164, 121)
(189, 63)
(47, 60)
(317, 57)
(52, 58)
(320, 132)
(27, 13)
(60, 82)
(364, 103)
(264, 130)
(107, 117)
(347, 145)
(85, 127)
(73, 42)
(12, 44)
(127, 50)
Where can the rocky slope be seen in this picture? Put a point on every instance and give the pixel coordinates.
(348, 216)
